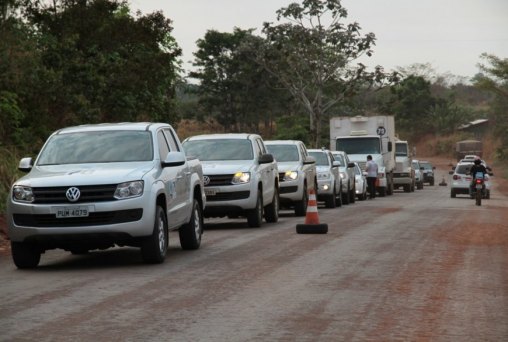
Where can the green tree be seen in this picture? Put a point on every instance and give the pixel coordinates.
(495, 80)
(411, 102)
(312, 58)
(102, 64)
(233, 89)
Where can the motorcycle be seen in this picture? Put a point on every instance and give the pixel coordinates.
(478, 188)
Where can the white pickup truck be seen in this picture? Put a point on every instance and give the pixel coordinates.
(241, 177)
(97, 186)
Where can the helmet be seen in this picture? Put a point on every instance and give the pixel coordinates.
(477, 161)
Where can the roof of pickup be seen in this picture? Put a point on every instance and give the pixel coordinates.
(135, 126)
(223, 136)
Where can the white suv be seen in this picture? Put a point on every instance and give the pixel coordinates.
(297, 173)
(329, 181)
(461, 180)
(347, 173)
(241, 178)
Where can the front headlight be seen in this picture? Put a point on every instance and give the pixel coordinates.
(241, 178)
(22, 194)
(129, 190)
(290, 175)
(342, 175)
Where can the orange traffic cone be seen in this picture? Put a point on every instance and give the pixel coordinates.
(312, 225)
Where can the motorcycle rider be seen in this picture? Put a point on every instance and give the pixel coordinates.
(477, 167)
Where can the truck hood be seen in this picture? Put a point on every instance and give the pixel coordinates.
(85, 174)
(288, 166)
(226, 167)
(322, 168)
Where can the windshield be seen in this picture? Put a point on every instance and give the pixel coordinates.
(358, 145)
(97, 147)
(219, 149)
(283, 153)
(401, 150)
(339, 158)
(321, 159)
(426, 166)
(415, 166)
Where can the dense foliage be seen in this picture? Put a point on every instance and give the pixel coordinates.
(75, 62)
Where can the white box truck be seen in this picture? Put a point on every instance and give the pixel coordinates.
(360, 136)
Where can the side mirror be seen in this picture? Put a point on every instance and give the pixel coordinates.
(266, 158)
(309, 160)
(433, 168)
(351, 165)
(335, 163)
(25, 164)
(450, 172)
(174, 159)
(491, 173)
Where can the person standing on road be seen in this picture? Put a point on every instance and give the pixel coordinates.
(371, 168)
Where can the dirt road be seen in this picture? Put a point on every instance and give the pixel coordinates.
(409, 267)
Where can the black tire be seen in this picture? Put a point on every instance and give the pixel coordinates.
(478, 197)
(155, 246)
(255, 216)
(407, 188)
(338, 201)
(301, 206)
(330, 200)
(431, 183)
(312, 228)
(272, 209)
(191, 232)
(382, 192)
(345, 196)
(487, 196)
(419, 186)
(352, 195)
(25, 255)
(452, 194)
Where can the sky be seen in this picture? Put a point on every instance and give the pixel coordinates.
(450, 35)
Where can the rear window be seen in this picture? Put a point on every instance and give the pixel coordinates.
(463, 169)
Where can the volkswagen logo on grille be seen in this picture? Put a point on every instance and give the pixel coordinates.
(73, 194)
(206, 180)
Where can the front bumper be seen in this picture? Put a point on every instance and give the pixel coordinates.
(133, 217)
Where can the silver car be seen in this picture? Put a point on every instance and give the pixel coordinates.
(297, 173)
(329, 181)
(347, 174)
(360, 183)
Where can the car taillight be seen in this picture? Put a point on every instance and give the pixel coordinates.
(456, 177)
(478, 181)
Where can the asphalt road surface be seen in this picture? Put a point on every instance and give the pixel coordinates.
(409, 267)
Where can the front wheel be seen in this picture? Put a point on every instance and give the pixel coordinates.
(255, 216)
(301, 206)
(191, 232)
(330, 200)
(154, 247)
(25, 255)
(272, 209)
